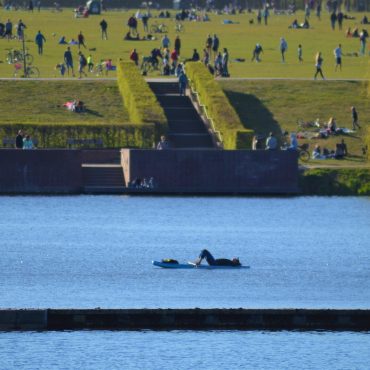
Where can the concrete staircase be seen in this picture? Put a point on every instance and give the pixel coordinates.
(102, 171)
(186, 128)
(103, 178)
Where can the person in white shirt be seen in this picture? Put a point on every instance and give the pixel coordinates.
(338, 57)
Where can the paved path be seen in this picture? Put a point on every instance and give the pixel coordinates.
(160, 79)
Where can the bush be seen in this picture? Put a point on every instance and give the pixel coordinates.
(141, 103)
(224, 117)
(56, 135)
(367, 142)
(336, 182)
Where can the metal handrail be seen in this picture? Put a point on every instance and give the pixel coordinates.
(204, 108)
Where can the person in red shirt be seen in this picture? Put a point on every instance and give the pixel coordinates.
(134, 56)
(81, 40)
(174, 57)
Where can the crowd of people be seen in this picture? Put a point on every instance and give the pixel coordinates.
(329, 129)
(166, 56)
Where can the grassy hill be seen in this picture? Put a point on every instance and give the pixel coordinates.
(278, 105)
(239, 38)
(42, 102)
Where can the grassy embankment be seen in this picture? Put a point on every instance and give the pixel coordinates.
(336, 182)
(42, 102)
(37, 108)
(277, 105)
(239, 38)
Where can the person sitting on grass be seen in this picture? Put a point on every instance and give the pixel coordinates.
(341, 150)
(332, 126)
(205, 254)
(316, 154)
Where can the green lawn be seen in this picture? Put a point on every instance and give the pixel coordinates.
(238, 38)
(42, 102)
(277, 105)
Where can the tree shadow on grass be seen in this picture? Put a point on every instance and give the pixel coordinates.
(253, 113)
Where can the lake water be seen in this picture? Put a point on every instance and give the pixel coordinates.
(88, 251)
(96, 251)
(183, 350)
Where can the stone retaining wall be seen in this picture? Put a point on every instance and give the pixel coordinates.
(185, 319)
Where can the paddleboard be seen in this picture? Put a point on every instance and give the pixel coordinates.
(192, 265)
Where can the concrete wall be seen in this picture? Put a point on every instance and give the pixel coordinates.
(186, 319)
(40, 171)
(214, 171)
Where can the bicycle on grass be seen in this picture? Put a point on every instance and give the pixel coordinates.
(14, 56)
(158, 28)
(302, 150)
(31, 71)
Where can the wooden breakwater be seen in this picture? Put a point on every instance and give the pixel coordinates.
(185, 319)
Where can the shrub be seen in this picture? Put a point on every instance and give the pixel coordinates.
(141, 103)
(367, 142)
(225, 119)
(336, 182)
(55, 135)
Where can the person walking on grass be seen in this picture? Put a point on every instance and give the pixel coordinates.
(354, 118)
(338, 57)
(283, 48)
(104, 27)
(256, 53)
(265, 14)
(318, 10)
(20, 29)
(215, 45)
(90, 64)
(68, 60)
(333, 20)
(177, 45)
(81, 40)
(8, 30)
(363, 37)
(318, 64)
(209, 44)
(82, 63)
(39, 40)
(300, 53)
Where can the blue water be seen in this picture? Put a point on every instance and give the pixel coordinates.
(91, 251)
(184, 350)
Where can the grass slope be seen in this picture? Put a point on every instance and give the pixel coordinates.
(239, 38)
(42, 102)
(277, 105)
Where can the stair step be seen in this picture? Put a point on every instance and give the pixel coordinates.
(164, 87)
(181, 114)
(190, 140)
(174, 101)
(103, 176)
(186, 127)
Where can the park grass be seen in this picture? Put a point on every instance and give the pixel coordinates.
(238, 38)
(42, 102)
(276, 106)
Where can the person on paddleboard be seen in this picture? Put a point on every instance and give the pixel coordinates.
(205, 254)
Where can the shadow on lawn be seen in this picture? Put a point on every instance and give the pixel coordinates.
(253, 113)
(93, 112)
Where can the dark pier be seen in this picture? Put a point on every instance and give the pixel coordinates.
(184, 319)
